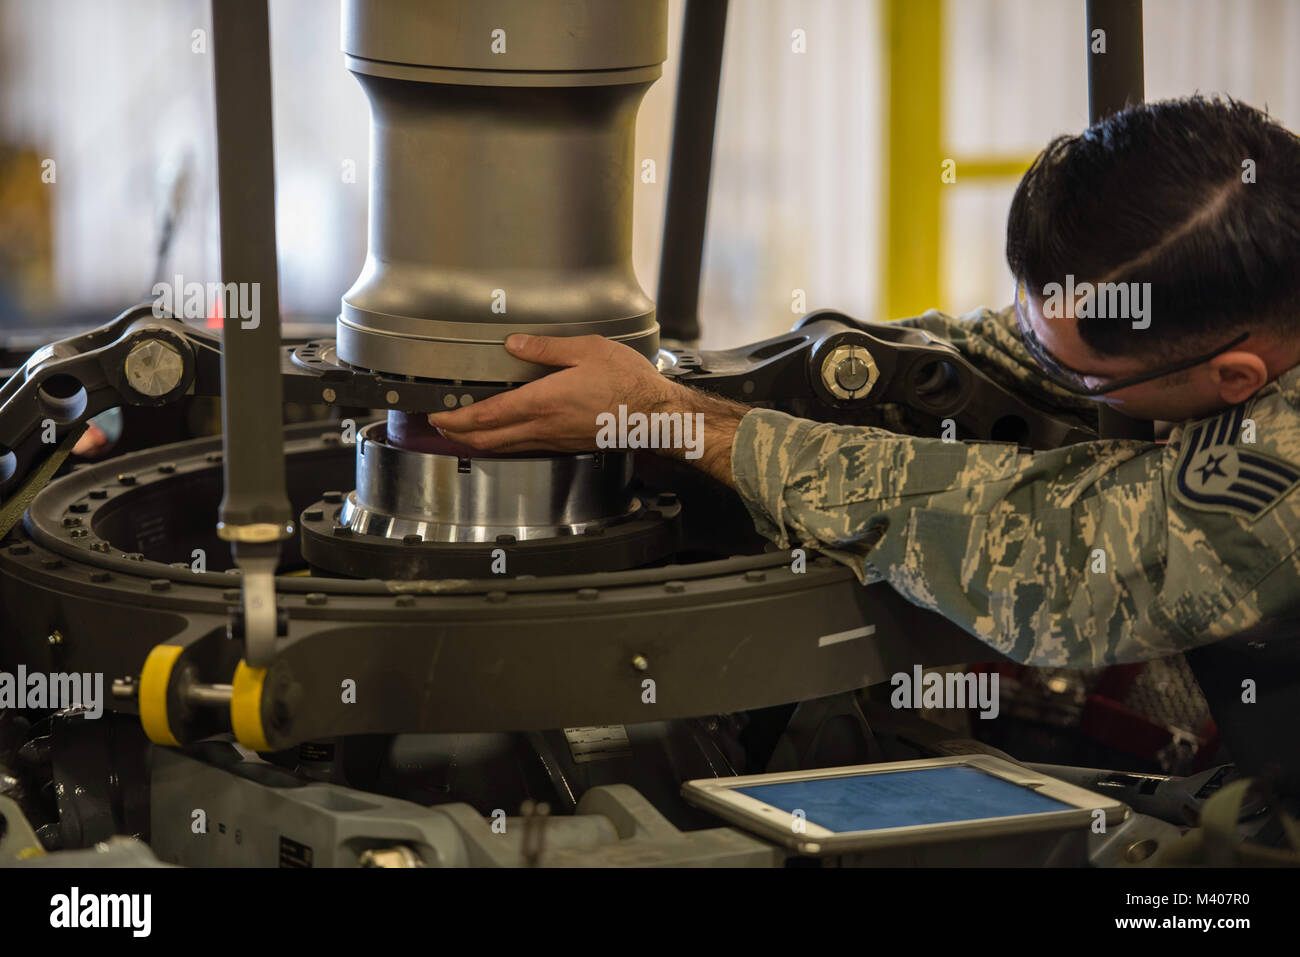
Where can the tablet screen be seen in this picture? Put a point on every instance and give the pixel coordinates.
(865, 802)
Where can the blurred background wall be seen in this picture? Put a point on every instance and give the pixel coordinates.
(118, 94)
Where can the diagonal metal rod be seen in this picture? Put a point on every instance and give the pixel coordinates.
(686, 213)
(1115, 80)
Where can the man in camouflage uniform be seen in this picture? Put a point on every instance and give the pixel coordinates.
(1092, 554)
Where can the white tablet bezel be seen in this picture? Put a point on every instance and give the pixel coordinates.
(720, 796)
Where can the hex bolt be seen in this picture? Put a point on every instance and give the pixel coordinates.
(71, 521)
(126, 478)
(98, 493)
(849, 371)
(153, 368)
(79, 507)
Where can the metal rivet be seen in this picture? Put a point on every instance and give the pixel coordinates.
(639, 663)
(81, 533)
(94, 546)
(466, 399)
(329, 395)
(449, 401)
(390, 396)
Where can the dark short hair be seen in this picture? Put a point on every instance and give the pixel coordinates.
(1155, 193)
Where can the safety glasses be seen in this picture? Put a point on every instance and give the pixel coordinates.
(1077, 382)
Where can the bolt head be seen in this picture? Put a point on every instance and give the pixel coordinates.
(153, 367)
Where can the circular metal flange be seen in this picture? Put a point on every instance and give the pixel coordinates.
(646, 535)
(446, 498)
(561, 650)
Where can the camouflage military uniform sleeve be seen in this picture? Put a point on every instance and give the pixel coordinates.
(1098, 553)
(991, 340)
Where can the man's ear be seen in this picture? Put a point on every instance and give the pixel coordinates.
(1239, 375)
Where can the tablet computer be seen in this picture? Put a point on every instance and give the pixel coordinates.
(871, 806)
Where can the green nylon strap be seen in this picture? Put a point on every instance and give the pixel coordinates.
(11, 512)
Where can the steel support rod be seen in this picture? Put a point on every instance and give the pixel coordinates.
(1115, 80)
(686, 213)
(255, 515)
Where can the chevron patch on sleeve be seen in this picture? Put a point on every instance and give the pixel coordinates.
(1217, 473)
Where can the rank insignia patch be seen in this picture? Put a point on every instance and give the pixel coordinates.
(1217, 473)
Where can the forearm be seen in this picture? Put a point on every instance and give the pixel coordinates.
(718, 421)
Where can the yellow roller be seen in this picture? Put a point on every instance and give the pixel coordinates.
(155, 679)
(246, 707)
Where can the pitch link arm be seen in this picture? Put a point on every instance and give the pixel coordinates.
(137, 359)
(849, 365)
